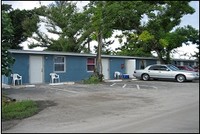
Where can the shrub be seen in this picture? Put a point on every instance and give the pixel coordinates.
(93, 79)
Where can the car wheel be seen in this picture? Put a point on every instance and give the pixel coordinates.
(145, 77)
(180, 78)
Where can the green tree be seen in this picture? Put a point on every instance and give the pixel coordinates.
(132, 47)
(62, 20)
(126, 17)
(100, 27)
(158, 34)
(7, 33)
(24, 22)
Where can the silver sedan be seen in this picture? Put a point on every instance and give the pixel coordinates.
(162, 71)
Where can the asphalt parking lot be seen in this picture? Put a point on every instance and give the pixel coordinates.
(111, 107)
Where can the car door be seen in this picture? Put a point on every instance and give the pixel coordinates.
(164, 72)
(153, 71)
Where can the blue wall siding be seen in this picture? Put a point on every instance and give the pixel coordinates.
(177, 63)
(115, 65)
(4, 79)
(48, 67)
(21, 66)
(188, 63)
(75, 68)
(148, 62)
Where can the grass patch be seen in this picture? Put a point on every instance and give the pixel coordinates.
(18, 110)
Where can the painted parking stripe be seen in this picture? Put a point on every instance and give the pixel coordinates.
(138, 87)
(134, 79)
(154, 87)
(124, 86)
(113, 84)
(67, 91)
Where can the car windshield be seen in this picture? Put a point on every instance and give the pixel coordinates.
(190, 67)
(172, 67)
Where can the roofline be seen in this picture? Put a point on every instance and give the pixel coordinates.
(184, 59)
(83, 54)
(72, 54)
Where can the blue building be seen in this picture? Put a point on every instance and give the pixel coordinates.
(35, 66)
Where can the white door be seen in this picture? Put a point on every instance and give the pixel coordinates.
(105, 65)
(130, 67)
(36, 69)
(158, 62)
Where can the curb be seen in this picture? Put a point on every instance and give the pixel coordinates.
(63, 83)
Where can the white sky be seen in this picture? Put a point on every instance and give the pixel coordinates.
(186, 20)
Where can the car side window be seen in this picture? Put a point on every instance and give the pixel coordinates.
(154, 68)
(163, 68)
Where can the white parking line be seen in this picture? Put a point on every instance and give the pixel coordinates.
(134, 79)
(124, 86)
(118, 80)
(113, 84)
(138, 87)
(67, 91)
(154, 87)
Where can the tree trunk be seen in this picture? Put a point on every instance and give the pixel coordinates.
(160, 58)
(98, 58)
(168, 59)
(88, 41)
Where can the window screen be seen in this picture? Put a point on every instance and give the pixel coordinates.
(59, 64)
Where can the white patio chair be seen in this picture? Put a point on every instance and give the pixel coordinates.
(117, 75)
(54, 76)
(16, 77)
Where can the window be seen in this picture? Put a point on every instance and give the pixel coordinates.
(154, 68)
(59, 64)
(163, 68)
(90, 64)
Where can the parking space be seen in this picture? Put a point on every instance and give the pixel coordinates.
(82, 105)
(106, 86)
(125, 85)
(46, 91)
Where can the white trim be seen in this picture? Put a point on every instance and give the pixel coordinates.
(59, 63)
(90, 64)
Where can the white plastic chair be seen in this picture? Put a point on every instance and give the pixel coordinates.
(16, 77)
(117, 75)
(54, 76)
